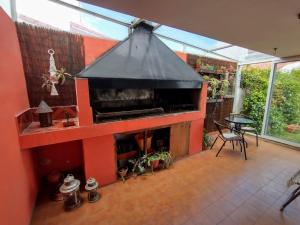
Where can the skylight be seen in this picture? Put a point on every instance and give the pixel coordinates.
(104, 23)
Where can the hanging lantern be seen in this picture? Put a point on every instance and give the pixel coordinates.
(91, 187)
(45, 114)
(70, 191)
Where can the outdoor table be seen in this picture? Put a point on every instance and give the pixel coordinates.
(238, 121)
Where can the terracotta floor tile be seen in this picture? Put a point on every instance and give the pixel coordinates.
(197, 190)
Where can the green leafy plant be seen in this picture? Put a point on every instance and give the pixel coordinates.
(213, 86)
(61, 76)
(216, 88)
(285, 104)
(207, 139)
(138, 165)
(206, 78)
(163, 156)
(224, 85)
(153, 157)
(166, 158)
(255, 84)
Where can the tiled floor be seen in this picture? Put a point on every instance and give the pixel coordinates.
(200, 189)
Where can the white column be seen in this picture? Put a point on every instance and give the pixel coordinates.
(237, 103)
(269, 99)
(13, 10)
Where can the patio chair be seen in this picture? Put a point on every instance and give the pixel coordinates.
(245, 129)
(229, 136)
(295, 180)
(250, 129)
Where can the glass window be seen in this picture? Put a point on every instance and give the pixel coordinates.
(252, 94)
(284, 111)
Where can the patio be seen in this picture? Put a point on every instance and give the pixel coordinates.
(125, 99)
(200, 189)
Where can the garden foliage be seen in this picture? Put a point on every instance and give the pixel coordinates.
(285, 103)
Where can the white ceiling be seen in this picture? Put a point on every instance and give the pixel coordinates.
(260, 25)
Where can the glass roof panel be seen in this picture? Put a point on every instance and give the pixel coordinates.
(234, 52)
(172, 45)
(54, 15)
(51, 15)
(195, 39)
(244, 55)
(109, 13)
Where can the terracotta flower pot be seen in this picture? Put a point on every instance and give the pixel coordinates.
(155, 164)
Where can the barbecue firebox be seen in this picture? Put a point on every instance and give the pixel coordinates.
(111, 104)
(140, 76)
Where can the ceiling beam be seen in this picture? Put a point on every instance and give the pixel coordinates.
(194, 46)
(220, 48)
(90, 12)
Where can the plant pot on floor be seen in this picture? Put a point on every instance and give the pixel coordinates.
(155, 164)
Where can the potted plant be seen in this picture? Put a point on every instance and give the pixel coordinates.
(153, 161)
(166, 158)
(60, 77)
(213, 87)
(138, 165)
(68, 122)
(207, 140)
(224, 85)
(123, 172)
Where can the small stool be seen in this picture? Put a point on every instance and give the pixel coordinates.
(294, 180)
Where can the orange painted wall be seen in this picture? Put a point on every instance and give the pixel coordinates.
(100, 157)
(197, 126)
(19, 185)
(94, 47)
(68, 155)
(59, 157)
(182, 55)
(83, 102)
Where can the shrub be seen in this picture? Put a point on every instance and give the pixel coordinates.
(255, 84)
(285, 104)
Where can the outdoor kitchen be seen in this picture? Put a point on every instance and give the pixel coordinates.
(139, 109)
(142, 112)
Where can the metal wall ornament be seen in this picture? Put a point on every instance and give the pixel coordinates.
(91, 187)
(55, 76)
(70, 191)
(52, 72)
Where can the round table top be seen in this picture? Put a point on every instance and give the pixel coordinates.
(239, 120)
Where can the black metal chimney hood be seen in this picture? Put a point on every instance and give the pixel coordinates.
(141, 61)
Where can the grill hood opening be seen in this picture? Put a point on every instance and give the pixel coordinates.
(141, 61)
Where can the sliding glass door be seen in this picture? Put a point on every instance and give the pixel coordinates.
(283, 115)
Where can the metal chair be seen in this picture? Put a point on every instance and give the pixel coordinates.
(228, 136)
(247, 128)
(250, 129)
(295, 180)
